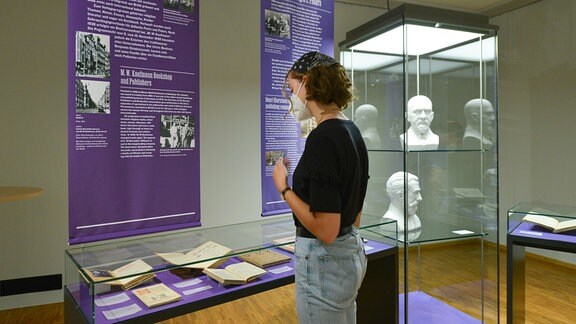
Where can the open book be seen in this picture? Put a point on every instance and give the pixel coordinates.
(235, 274)
(287, 243)
(140, 269)
(264, 258)
(210, 251)
(551, 223)
(156, 295)
(95, 275)
(132, 274)
(127, 276)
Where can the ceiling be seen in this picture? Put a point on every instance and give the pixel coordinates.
(489, 8)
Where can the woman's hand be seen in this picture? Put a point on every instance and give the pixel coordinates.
(280, 174)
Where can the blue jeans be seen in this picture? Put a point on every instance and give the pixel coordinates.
(328, 277)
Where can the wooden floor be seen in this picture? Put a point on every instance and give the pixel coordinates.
(550, 291)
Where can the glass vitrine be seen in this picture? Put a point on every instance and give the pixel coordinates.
(426, 85)
(103, 280)
(545, 228)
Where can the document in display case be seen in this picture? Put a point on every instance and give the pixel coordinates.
(156, 295)
(523, 232)
(91, 296)
(235, 274)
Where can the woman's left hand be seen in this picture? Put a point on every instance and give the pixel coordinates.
(280, 175)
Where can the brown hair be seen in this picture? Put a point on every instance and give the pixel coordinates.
(329, 85)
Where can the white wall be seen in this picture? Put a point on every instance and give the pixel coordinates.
(33, 139)
(33, 142)
(537, 46)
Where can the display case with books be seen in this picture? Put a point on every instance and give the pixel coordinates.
(541, 227)
(155, 277)
(541, 220)
(427, 103)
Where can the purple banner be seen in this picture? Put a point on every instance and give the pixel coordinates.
(290, 28)
(133, 117)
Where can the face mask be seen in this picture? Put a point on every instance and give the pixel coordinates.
(299, 109)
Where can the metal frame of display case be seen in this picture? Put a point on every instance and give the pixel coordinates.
(87, 300)
(522, 234)
(397, 56)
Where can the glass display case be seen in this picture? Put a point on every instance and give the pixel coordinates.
(426, 85)
(542, 220)
(535, 225)
(156, 277)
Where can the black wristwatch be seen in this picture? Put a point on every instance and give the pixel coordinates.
(285, 191)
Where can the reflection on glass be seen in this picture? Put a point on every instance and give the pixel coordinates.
(366, 118)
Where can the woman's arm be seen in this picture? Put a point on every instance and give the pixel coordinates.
(324, 226)
(358, 219)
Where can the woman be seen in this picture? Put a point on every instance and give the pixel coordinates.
(329, 186)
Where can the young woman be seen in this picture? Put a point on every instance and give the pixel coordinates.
(329, 186)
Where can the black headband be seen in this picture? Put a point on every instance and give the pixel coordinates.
(312, 59)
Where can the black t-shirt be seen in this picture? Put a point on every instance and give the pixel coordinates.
(332, 174)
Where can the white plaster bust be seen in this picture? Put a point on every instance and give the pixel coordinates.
(480, 121)
(395, 191)
(366, 118)
(419, 114)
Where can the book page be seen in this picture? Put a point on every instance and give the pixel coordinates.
(96, 275)
(132, 268)
(156, 295)
(264, 258)
(208, 250)
(245, 270)
(223, 274)
(566, 226)
(288, 247)
(205, 251)
(545, 221)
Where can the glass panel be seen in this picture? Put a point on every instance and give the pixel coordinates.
(546, 220)
(422, 40)
(434, 170)
(377, 111)
(88, 280)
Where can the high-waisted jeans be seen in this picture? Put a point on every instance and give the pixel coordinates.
(328, 277)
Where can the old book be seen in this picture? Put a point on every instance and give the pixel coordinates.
(235, 274)
(156, 295)
(551, 223)
(286, 243)
(132, 274)
(264, 258)
(95, 275)
(210, 251)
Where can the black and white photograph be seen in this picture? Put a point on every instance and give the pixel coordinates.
(92, 55)
(177, 131)
(273, 156)
(92, 97)
(276, 24)
(172, 4)
(187, 6)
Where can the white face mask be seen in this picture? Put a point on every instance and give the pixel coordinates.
(299, 109)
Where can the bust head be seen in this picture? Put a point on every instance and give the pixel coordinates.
(395, 190)
(480, 115)
(420, 114)
(366, 116)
